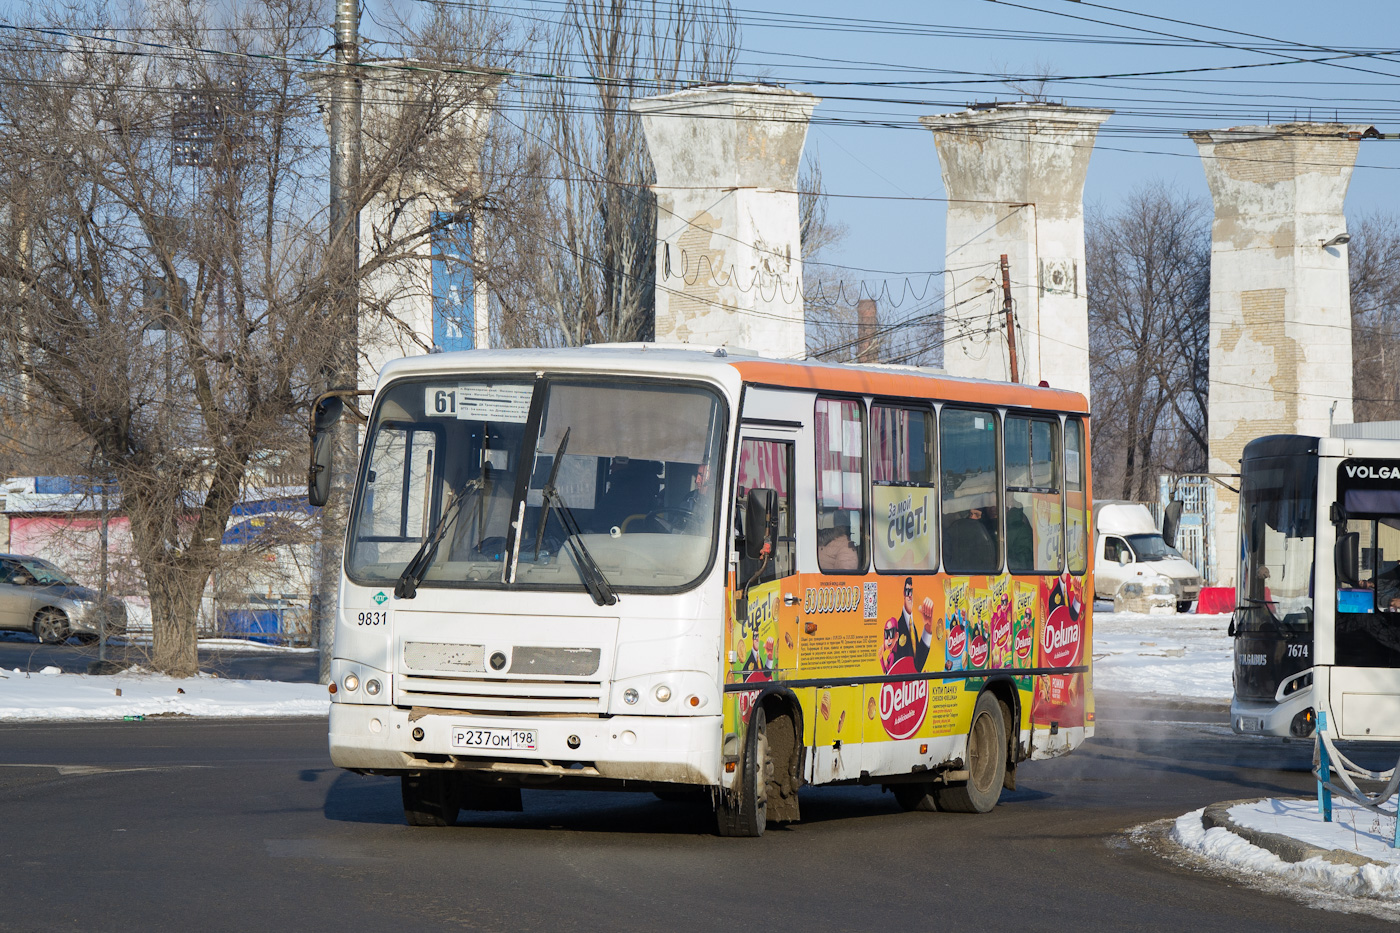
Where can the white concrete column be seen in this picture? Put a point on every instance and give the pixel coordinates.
(396, 300)
(1280, 308)
(1014, 175)
(728, 238)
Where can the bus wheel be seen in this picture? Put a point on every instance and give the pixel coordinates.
(744, 812)
(986, 763)
(432, 798)
(916, 796)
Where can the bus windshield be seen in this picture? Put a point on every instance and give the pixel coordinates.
(618, 479)
(1278, 517)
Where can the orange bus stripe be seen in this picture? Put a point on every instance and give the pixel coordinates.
(861, 381)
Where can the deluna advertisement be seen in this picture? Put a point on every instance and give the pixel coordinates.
(912, 623)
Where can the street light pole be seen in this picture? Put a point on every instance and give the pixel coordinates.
(342, 265)
(102, 594)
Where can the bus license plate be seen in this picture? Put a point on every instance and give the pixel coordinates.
(1251, 724)
(508, 739)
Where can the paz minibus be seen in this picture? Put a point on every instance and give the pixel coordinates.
(1317, 607)
(707, 575)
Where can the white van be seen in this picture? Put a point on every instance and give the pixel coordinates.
(1130, 549)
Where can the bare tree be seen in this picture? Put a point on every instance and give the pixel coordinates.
(168, 307)
(829, 296)
(1148, 282)
(597, 256)
(1032, 83)
(1373, 259)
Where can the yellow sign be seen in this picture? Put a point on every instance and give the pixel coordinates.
(904, 527)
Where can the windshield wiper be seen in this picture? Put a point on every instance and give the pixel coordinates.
(1256, 601)
(549, 484)
(589, 571)
(407, 585)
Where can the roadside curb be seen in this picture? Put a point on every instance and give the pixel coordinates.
(1285, 847)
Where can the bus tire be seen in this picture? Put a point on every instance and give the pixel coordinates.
(431, 798)
(744, 810)
(986, 763)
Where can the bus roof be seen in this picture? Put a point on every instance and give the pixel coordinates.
(888, 381)
(722, 365)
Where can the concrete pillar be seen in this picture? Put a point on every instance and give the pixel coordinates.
(397, 300)
(1014, 174)
(1280, 309)
(728, 236)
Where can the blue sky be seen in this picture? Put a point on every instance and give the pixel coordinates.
(1142, 142)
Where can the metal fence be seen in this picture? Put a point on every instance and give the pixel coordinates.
(1195, 537)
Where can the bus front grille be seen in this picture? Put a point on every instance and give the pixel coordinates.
(504, 695)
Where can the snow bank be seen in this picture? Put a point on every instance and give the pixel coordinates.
(1290, 818)
(51, 694)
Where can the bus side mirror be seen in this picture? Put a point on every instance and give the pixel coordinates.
(327, 413)
(1349, 559)
(760, 522)
(324, 417)
(1122, 558)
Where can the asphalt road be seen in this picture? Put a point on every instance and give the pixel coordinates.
(201, 825)
(22, 650)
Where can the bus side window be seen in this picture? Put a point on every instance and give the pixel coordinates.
(1076, 502)
(1034, 512)
(765, 464)
(971, 495)
(903, 489)
(840, 445)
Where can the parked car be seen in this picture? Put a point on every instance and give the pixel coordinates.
(1130, 549)
(36, 596)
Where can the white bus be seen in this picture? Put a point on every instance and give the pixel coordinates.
(1317, 620)
(686, 572)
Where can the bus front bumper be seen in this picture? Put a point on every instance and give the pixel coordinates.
(1263, 717)
(663, 749)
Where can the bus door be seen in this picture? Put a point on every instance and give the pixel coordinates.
(1364, 683)
(762, 621)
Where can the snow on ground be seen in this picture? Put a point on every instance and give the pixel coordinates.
(50, 694)
(233, 646)
(1177, 655)
(1350, 823)
(1353, 829)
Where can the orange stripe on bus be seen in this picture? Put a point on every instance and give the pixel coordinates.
(861, 381)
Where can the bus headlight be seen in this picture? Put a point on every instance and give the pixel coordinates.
(352, 683)
(630, 696)
(372, 687)
(662, 693)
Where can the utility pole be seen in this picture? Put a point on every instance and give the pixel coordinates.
(1010, 317)
(342, 263)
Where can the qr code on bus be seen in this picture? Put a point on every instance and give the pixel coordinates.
(872, 592)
